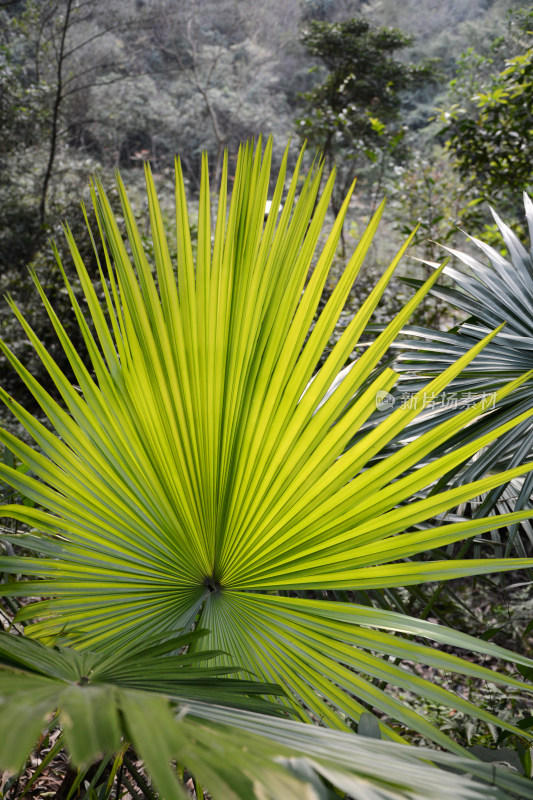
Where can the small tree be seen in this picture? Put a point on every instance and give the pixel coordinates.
(353, 115)
(53, 55)
(489, 131)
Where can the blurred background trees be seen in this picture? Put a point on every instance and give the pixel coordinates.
(428, 102)
(353, 115)
(489, 127)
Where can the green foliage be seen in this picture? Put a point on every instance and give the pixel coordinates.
(198, 473)
(427, 192)
(490, 138)
(23, 110)
(102, 702)
(500, 291)
(353, 115)
(90, 689)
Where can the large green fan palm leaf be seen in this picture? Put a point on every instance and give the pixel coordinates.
(200, 465)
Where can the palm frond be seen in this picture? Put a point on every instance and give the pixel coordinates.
(500, 291)
(237, 754)
(200, 465)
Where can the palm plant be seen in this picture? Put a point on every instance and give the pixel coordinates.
(106, 701)
(198, 473)
(501, 291)
(98, 697)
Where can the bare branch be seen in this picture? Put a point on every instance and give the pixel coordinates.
(141, 23)
(55, 113)
(77, 75)
(103, 83)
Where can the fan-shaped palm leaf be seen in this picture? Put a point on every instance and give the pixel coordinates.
(196, 472)
(105, 700)
(501, 291)
(85, 686)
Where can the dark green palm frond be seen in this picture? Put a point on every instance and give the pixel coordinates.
(236, 754)
(490, 293)
(162, 664)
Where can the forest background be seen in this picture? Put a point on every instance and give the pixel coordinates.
(426, 102)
